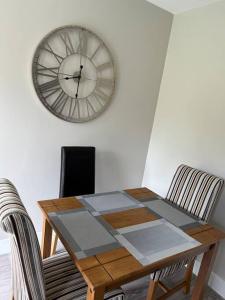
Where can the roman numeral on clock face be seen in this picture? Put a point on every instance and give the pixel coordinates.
(96, 51)
(100, 95)
(74, 108)
(60, 102)
(105, 83)
(90, 108)
(48, 49)
(104, 66)
(46, 71)
(77, 107)
(49, 86)
(83, 42)
(65, 37)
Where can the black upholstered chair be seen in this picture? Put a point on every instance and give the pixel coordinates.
(77, 174)
(77, 171)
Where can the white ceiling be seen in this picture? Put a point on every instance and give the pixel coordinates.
(178, 6)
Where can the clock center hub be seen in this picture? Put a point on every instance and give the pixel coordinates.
(77, 73)
(77, 76)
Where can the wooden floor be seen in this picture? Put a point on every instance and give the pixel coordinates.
(134, 291)
(137, 290)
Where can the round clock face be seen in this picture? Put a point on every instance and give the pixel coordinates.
(73, 74)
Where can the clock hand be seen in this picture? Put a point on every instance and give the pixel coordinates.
(78, 83)
(72, 77)
(65, 74)
(80, 41)
(76, 77)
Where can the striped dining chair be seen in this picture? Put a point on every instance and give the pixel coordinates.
(55, 277)
(196, 192)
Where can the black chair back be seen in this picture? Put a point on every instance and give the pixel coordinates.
(77, 171)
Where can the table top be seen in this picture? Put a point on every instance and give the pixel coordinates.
(117, 265)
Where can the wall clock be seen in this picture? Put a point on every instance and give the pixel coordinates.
(73, 74)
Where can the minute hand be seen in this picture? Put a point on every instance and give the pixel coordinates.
(78, 83)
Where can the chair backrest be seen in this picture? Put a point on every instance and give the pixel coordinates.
(195, 191)
(77, 171)
(27, 273)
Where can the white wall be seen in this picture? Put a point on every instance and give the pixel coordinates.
(189, 125)
(137, 34)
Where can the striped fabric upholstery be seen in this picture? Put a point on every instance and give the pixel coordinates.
(171, 270)
(27, 273)
(61, 277)
(32, 278)
(196, 192)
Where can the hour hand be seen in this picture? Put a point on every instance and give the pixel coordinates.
(71, 77)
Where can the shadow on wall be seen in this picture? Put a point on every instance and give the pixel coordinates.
(108, 165)
(218, 211)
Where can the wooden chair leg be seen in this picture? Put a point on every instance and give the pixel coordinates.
(185, 285)
(163, 287)
(170, 291)
(54, 244)
(188, 277)
(152, 290)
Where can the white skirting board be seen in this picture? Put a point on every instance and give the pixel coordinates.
(215, 281)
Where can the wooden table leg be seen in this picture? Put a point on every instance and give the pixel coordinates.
(188, 277)
(204, 272)
(54, 244)
(46, 239)
(95, 294)
(152, 289)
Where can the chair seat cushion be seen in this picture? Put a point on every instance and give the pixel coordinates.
(64, 281)
(172, 269)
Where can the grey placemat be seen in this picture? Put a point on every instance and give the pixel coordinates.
(170, 213)
(152, 241)
(84, 233)
(109, 202)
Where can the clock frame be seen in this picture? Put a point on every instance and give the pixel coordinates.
(73, 74)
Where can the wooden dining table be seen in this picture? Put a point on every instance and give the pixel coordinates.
(113, 268)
